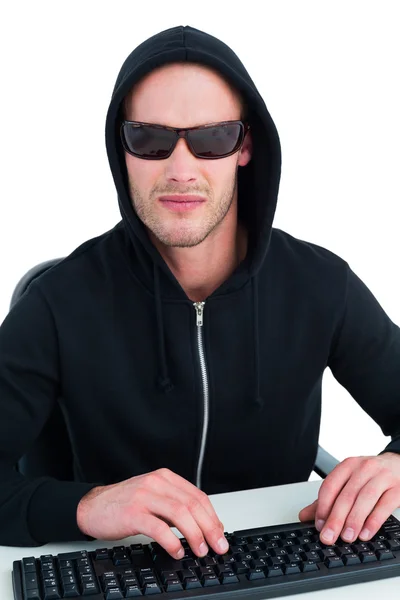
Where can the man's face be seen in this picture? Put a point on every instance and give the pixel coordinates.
(180, 95)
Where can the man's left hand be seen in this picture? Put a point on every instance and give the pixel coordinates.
(356, 498)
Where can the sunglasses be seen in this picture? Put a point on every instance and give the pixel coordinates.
(156, 142)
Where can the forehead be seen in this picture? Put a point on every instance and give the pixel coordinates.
(182, 95)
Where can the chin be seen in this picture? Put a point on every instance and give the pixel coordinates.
(181, 239)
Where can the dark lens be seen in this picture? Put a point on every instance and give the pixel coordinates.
(148, 142)
(216, 141)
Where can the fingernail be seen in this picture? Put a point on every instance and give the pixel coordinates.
(365, 534)
(319, 524)
(180, 553)
(348, 534)
(328, 535)
(223, 544)
(203, 548)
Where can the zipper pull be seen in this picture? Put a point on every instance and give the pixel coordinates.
(199, 307)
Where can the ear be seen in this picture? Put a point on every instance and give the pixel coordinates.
(246, 150)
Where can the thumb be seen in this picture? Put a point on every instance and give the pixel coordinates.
(308, 512)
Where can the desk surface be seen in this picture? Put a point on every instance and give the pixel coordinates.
(237, 510)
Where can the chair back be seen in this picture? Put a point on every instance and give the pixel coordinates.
(51, 453)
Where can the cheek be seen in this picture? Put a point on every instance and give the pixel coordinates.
(221, 173)
(143, 174)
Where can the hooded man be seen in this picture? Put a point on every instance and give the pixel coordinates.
(187, 345)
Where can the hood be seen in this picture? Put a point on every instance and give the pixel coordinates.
(258, 181)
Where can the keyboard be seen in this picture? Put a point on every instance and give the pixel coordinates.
(261, 563)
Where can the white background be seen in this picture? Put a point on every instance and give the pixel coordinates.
(329, 73)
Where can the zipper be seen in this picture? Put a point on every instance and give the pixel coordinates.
(199, 307)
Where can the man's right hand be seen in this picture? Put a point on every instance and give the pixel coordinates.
(151, 504)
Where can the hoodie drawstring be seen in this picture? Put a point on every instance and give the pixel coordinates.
(163, 379)
(257, 397)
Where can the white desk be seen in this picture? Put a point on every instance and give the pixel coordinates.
(237, 510)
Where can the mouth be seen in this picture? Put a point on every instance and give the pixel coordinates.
(182, 202)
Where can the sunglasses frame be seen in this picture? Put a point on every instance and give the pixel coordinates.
(183, 132)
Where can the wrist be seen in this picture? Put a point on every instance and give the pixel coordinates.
(82, 509)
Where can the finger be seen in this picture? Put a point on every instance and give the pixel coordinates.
(197, 531)
(329, 490)
(308, 512)
(387, 503)
(184, 489)
(364, 505)
(344, 501)
(159, 531)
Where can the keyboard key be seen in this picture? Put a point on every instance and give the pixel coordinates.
(121, 558)
(89, 588)
(191, 583)
(229, 577)
(279, 552)
(384, 554)
(52, 593)
(168, 575)
(333, 561)
(114, 593)
(296, 557)
(109, 584)
(390, 527)
(173, 585)
(209, 561)
(29, 565)
(379, 545)
(351, 559)
(393, 544)
(292, 568)
(259, 563)
(33, 595)
(346, 549)
(312, 546)
(255, 574)
(126, 581)
(367, 556)
(210, 580)
(31, 581)
(313, 556)
(274, 571)
(277, 561)
(242, 567)
(132, 591)
(255, 547)
(329, 552)
(309, 565)
(137, 549)
(70, 555)
(362, 547)
(71, 591)
(152, 588)
(201, 571)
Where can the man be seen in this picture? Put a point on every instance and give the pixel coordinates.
(187, 345)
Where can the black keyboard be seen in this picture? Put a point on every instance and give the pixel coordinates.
(261, 563)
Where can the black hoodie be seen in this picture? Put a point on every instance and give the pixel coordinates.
(231, 404)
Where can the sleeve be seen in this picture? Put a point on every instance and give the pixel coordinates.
(33, 511)
(365, 358)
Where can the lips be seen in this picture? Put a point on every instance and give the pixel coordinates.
(186, 198)
(181, 203)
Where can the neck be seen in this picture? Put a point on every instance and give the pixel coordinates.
(201, 269)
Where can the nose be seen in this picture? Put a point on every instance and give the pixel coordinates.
(182, 165)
